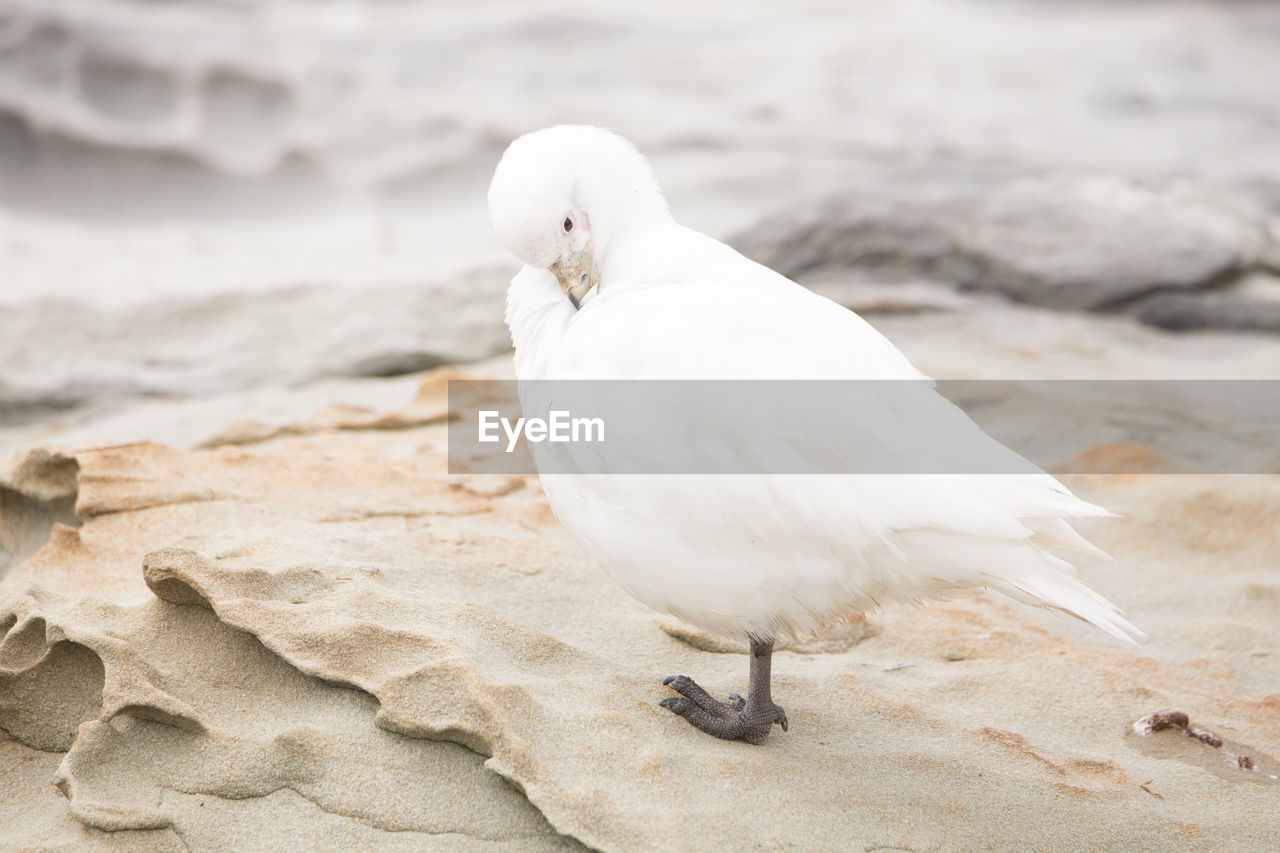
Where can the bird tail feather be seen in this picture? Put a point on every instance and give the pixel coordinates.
(1019, 568)
(1059, 589)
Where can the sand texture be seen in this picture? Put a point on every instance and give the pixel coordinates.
(320, 638)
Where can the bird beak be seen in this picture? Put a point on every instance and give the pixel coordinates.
(577, 274)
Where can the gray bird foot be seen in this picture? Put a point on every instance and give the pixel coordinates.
(737, 719)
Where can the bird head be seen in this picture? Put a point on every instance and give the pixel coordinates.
(560, 194)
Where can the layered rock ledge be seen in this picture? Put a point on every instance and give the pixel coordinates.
(311, 634)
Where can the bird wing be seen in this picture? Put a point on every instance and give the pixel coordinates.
(874, 537)
(741, 321)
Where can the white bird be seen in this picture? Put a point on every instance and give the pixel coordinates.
(614, 288)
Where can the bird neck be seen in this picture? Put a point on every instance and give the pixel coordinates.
(624, 206)
(645, 251)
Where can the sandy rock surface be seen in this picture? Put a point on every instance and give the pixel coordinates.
(320, 637)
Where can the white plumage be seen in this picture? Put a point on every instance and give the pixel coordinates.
(755, 556)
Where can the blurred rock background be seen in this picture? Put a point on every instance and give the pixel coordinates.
(204, 196)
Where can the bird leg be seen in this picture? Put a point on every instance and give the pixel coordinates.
(747, 719)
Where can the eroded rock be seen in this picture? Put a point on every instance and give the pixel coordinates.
(1252, 304)
(330, 639)
(1095, 242)
(1084, 242)
(37, 492)
(278, 337)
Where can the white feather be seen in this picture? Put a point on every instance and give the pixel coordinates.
(767, 555)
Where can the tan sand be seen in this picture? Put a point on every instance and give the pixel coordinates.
(314, 636)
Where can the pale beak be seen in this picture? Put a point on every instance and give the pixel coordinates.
(577, 274)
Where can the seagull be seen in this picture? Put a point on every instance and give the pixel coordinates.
(613, 287)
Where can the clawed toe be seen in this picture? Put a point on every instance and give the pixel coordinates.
(734, 720)
(689, 689)
(750, 719)
(781, 717)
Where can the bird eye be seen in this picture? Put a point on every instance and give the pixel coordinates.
(568, 225)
